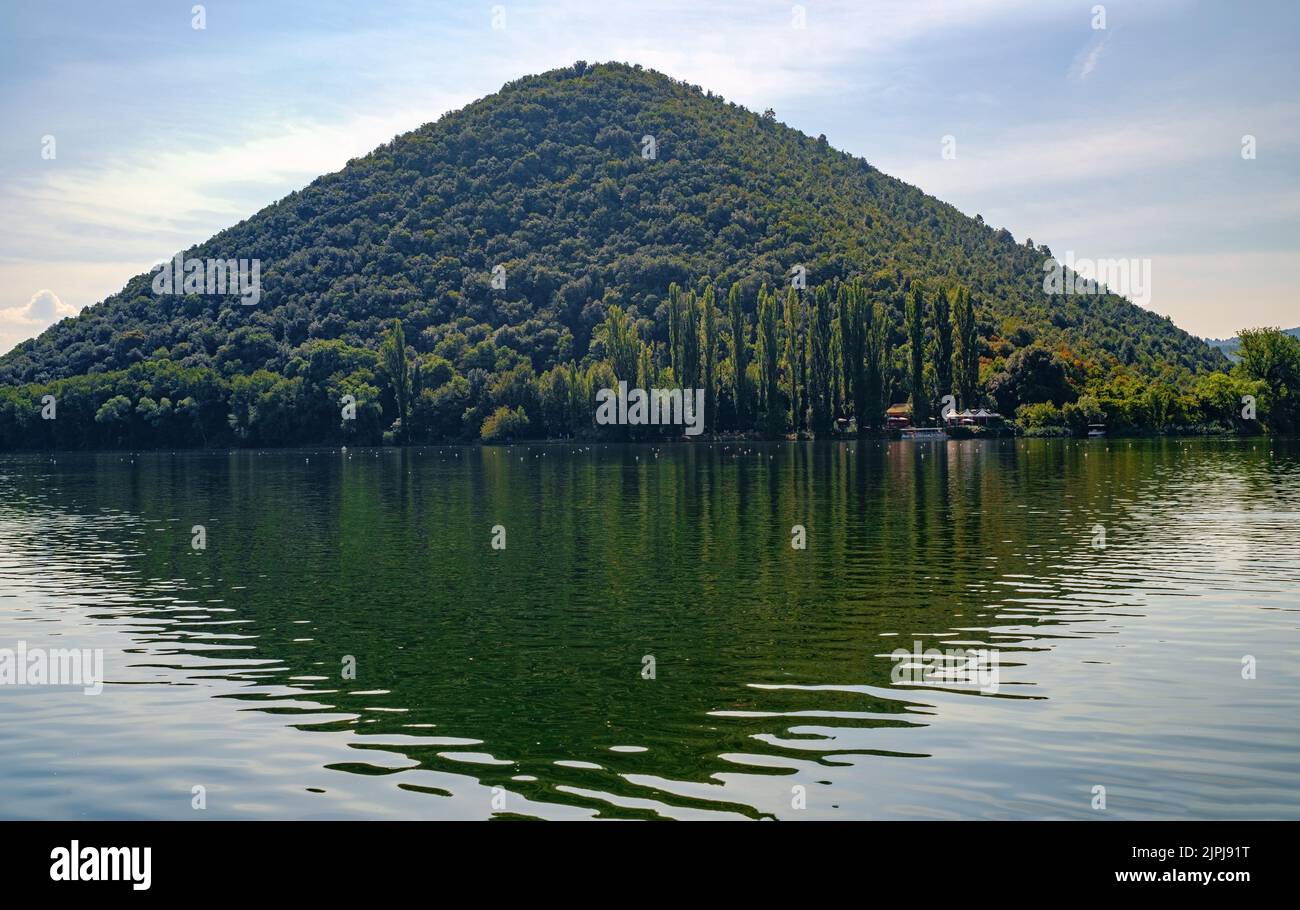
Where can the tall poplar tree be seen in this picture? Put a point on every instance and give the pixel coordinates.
(768, 365)
(966, 354)
(622, 347)
(820, 363)
(675, 354)
(839, 390)
(875, 344)
(853, 328)
(392, 354)
(916, 338)
(943, 343)
(709, 331)
(739, 355)
(690, 341)
(794, 358)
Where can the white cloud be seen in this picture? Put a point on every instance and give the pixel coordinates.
(44, 306)
(91, 230)
(747, 52)
(42, 309)
(188, 191)
(1087, 59)
(1092, 148)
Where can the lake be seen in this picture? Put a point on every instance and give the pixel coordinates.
(607, 631)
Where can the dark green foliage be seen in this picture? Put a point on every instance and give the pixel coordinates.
(740, 351)
(1033, 375)
(1272, 357)
(942, 356)
(709, 345)
(820, 375)
(771, 402)
(916, 356)
(377, 283)
(397, 370)
(850, 324)
(966, 350)
(879, 355)
(793, 362)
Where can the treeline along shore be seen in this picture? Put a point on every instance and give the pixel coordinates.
(817, 363)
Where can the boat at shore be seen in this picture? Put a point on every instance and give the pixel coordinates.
(921, 434)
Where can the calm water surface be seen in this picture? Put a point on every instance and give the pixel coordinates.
(510, 682)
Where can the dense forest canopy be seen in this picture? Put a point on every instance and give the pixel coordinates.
(505, 237)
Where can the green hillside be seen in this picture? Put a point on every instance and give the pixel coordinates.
(547, 179)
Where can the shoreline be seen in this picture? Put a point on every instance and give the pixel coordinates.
(329, 448)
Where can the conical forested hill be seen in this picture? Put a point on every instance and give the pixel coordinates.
(549, 178)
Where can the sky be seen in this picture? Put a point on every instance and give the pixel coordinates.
(127, 134)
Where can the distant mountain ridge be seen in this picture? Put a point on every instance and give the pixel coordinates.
(1229, 345)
